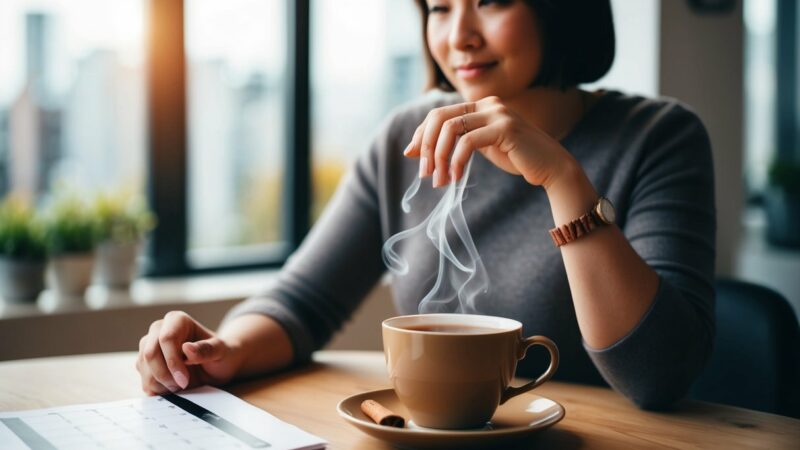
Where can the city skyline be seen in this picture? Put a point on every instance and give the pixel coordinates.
(236, 116)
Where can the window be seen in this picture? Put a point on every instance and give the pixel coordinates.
(72, 96)
(236, 92)
(228, 115)
(232, 164)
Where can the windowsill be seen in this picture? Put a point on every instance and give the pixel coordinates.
(146, 292)
(110, 321)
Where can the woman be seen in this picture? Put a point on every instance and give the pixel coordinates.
(618, 272)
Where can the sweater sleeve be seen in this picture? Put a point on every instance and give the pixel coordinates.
(671, 224)
(339, 261)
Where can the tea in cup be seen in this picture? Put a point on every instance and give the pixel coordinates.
(451, 371)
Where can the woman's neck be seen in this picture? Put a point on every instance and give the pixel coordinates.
(552, 110)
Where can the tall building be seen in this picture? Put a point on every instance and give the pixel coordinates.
(103, 122)
(34, 125)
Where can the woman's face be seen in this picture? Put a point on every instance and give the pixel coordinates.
(485, 47)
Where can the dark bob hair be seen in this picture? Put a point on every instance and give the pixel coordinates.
(577, 43)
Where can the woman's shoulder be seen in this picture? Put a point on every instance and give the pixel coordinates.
(650, 131)
(656, 112)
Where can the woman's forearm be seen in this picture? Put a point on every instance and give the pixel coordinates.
(612, 287)
(260, 344)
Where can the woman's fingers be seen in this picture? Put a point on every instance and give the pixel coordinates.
(430, 134)
(412, 151)
(444, 144)
(483, 136)
(496, 131)
(204, 351)
(173, 333)
(435, 138)
(149, 384)
(152, 387)
(162, 360)
(451, 130)
(154, 358)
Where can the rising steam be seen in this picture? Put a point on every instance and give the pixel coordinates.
(459, 283)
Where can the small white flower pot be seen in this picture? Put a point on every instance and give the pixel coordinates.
(116, 264)
(72, 273)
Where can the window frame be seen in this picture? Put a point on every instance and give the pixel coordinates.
(167, 252)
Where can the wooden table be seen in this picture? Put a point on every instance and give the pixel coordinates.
(597, 418)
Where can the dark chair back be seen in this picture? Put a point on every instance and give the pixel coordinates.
(755, 363)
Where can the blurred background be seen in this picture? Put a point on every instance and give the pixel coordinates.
(235, 121)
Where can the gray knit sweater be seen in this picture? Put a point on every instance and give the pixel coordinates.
(651, 158)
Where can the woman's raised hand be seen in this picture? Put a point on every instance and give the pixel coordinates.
(492, 128)
(178, 352)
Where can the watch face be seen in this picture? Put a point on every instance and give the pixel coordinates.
(607, 212)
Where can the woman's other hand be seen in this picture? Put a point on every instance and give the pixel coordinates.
(178, 352)
(492, 128)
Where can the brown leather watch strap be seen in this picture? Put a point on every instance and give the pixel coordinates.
(573, 230)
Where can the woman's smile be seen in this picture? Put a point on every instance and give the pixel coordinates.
(474, 70)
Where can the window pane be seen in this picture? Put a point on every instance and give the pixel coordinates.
(366, 57)
(72, 95)
(236, 52)
(759, 92)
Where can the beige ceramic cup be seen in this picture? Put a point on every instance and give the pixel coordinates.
(456, 377)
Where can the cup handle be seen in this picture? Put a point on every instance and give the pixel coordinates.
(525, 344)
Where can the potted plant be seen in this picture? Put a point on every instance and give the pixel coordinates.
(123, 220)
(22, 252)
(71, 235)
(782, 204)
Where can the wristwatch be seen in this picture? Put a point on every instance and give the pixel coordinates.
(603, 213)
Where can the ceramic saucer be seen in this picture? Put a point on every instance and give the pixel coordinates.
(518, 418)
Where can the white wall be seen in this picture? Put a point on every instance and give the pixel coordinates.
(701, 63)
(635, 69)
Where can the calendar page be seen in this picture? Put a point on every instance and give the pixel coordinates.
(201, 418)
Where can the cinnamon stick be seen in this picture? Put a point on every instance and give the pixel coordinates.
(381, 415)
